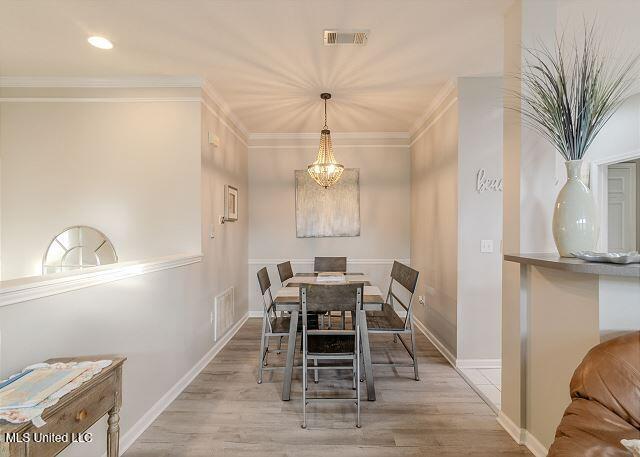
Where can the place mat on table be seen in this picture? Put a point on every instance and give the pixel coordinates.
(349, 278)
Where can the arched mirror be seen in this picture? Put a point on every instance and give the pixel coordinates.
(76, 248)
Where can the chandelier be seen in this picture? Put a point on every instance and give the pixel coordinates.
(326, 171)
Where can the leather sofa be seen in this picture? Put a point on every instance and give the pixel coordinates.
(605, 402)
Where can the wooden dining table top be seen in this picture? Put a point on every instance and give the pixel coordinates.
(290, 295)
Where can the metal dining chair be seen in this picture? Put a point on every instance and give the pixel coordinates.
(326, 344)
(285, 271)
(272, 324)
(331, 264)
(389, 322)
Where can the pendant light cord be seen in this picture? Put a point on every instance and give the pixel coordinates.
(325, 113)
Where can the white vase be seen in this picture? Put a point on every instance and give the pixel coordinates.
(575, 217)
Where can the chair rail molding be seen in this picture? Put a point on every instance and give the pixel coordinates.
(406, 261)
(34, 287)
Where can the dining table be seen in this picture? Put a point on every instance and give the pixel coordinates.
(287, 298)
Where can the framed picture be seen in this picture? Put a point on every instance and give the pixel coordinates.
(230, 203)
(329, 212)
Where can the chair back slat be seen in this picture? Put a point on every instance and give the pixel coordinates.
(322, 298)
(263, 280)
(324, 264)
(406, 276)
(397, 299)
(285, 271)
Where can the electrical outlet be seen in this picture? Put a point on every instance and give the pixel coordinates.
(421, 299)
(211, 318)
(486, 246)
(212, 233)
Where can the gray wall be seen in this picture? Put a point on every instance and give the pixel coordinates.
(434, 221)
(384, 205)
(67, 164)
(479, 218)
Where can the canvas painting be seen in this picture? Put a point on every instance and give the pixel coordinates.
(328, 212)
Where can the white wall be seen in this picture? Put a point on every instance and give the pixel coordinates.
(384, 205)
(434, 220)
(159, 320)
(479, 218)
(129, 169)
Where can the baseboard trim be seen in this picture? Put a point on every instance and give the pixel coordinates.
(479, 363)
(435, 341)
(511, 428)
(147, 419)
(535, 446)
(454, 362)
(521, 436)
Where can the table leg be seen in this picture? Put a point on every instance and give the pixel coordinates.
(366, 355)
(113, 432)
(291, 352)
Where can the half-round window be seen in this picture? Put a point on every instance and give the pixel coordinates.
(76, 248)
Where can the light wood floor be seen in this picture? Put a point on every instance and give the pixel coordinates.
(224, 412)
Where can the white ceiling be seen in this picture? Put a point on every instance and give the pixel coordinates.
(266, 58)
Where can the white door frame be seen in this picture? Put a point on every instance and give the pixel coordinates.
(598, 180)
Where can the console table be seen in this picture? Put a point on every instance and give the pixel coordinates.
(72, 415)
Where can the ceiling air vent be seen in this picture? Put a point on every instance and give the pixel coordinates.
(336, 37)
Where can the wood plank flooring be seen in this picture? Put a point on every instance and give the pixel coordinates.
(224, 412)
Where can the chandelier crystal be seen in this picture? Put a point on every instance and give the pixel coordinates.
(326, 171)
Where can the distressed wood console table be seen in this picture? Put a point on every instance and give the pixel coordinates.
(72, 415)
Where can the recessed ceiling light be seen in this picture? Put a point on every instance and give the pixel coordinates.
(100, 42)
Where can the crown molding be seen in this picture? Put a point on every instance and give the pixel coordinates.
(336, 136)
(116, 82)
(434, 106)
(214, 95)
(133, 82)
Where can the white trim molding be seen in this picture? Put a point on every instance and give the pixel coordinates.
(598, 175)
(436, 342)
(335, 136)
(214, 95)
(479, 363)
(98, 99)
(25, 289)
(335, 146)
(444, 92)
(522, 436)
(433, 121)
(124, 83)
(511, 428)
(130, 436)
(83, 82)
(310, 261)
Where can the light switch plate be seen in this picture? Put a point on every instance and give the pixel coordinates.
(486, 246)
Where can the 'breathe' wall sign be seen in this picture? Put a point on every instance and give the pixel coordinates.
(483, 183)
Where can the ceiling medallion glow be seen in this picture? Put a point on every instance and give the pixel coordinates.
(326, 171)
(100, 42)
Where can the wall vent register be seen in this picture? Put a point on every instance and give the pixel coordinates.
(76, 248)
(338, 37)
